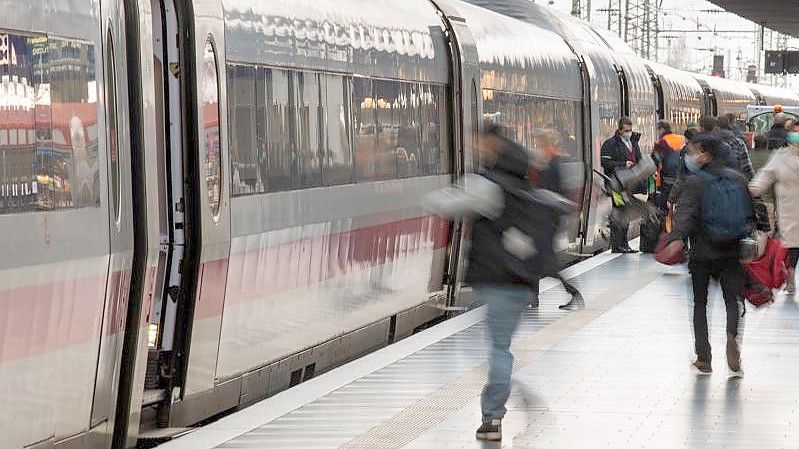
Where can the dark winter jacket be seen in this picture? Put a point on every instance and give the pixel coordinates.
(487, 258)
(668, 150)
(777, 137)
(739, 151)
(688, 218)
(614, 153)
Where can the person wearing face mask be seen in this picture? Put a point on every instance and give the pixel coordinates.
(619, 152)
(713, 212)
(782, 172)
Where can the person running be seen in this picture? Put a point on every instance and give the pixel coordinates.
(620, 151)
(546, 173)
(782, 172)
(713, 212)
(511, 250)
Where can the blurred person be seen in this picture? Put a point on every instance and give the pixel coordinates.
(738, 147)
(668, 151)
(710, 125)
(682, 171)
(713, 212)
(620, 151)
(546, 172)
(511, 249)
(736, 126)
(782, 172)
(778, 135)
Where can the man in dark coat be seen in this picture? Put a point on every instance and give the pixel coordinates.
(620, 151)
(778, 135)
(708, 258)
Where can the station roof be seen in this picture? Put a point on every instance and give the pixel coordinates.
(778, 15)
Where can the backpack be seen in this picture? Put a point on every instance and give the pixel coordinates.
(726, 206)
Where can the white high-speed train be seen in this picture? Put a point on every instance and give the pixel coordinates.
(203, 203)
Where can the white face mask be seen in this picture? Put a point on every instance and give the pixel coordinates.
(627, 136)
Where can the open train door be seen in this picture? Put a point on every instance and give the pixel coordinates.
(204, 204)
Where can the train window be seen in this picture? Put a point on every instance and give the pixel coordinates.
(308, 120)
(336, 153)
(389, 116)
(365, 128)
(210, 133)
(112, 124)
(409, 132)
(243, 152)
(280, 157)
(71, 169)
(19, 183)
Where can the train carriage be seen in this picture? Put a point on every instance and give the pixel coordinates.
(206, 202)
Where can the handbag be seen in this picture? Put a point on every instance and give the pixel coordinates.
(668, 256)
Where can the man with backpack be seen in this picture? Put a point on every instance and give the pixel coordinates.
(668, 151)
(713, 212)
(511, 250)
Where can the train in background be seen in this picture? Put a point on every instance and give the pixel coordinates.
(204, 203)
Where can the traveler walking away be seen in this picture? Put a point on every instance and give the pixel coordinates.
(738, 147)
(619, 152)
(713, 212)
(546, 173)
(710, 125)
(782, 173)
(511, 250)
(778, 135)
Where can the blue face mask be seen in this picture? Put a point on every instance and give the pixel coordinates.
(793, 138)
(691, 164)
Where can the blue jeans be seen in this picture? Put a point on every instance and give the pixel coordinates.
(505, 306)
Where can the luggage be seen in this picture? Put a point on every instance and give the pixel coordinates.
(771, 270)
(650, 234)
(758, 294)
(669, 257)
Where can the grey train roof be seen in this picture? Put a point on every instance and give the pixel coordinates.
(380, 38)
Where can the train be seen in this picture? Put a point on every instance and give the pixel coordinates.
(205, 203)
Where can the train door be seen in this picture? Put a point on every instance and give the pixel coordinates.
(185, 321)
(117, 138)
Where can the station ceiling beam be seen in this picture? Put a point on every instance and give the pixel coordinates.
(778, 15)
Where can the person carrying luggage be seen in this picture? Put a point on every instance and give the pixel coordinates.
(714, 213)
(620, 151)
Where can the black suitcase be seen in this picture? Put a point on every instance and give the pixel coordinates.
(650, 233)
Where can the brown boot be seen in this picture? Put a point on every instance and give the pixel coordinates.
(790, 283)
(703, 368)
(733, 355)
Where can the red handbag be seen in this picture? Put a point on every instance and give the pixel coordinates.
(667, 256)
(771, 270)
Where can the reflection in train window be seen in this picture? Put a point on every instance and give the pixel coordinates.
(308, 120)
(244, 156)
(336, 153)
(48, 124)
(299, 129)
(210, 134)
(364, 128)
(113, 128)
(280, 157)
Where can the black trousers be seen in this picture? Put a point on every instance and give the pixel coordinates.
(619, 227)
(732, 277)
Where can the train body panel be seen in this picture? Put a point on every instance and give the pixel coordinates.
(275, 154)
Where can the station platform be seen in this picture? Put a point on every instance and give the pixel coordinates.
(615, 375)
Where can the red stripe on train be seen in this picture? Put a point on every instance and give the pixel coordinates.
(49, 316)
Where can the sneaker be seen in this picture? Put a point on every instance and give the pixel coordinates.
(733, 355)
(703, 368)
(577, 302)
(490, 430)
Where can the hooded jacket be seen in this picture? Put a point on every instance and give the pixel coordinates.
(777, 137)
(669, 149)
